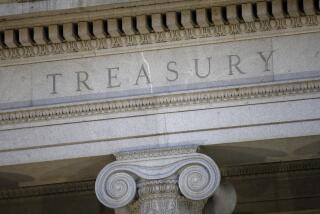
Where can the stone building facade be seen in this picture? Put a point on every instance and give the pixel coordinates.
(160, 106)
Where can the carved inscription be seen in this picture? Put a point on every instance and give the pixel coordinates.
(201, 69)
(155, 72)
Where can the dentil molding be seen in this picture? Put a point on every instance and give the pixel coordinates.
(197, 24)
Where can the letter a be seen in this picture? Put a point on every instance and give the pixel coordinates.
(143, 73)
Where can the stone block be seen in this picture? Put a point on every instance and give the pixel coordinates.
(172, 21)
(296, 57)
(69, 33)
(39, 35)
(217, 17)
(128, 25)
(25, 37)
(247, 12)
(262, 11)
(157, 23)
(142, 24)
(10, 39)
(309, 7)
(293, 8)
(83, 31)
(99, 29)
(55, 34)
(277, 9)
(232, 14)
(186, 19)
(113, 28)
(202, 18)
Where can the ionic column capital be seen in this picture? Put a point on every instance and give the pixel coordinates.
(196, 175)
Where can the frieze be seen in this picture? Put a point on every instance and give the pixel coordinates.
(226, 172)
(290, 167)
(48, 190)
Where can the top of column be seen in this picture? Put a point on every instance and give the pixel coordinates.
(198, 174)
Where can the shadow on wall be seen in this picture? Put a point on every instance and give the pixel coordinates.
(12, 180)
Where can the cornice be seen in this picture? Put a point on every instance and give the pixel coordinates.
(156, 102)
(39, 13)
(193, 23)
(300, 166)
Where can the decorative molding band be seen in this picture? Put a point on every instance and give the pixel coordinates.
(232, 171)
(153, 30)
(156, 152)
(163, 196)
(271, 168)
(48, 190)
(156, 102)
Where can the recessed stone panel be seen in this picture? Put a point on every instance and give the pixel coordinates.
(296, 56)
(162, 71)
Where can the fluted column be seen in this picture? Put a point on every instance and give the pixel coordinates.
(169, 180)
